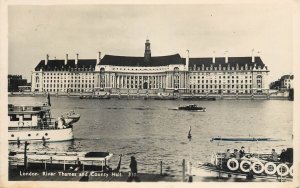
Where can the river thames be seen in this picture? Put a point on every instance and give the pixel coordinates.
(152, 132)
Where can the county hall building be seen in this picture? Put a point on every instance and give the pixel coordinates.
(153, 74)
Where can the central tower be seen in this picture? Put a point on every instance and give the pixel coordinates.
(147, 55)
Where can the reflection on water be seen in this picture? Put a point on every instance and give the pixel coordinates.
(152, 133)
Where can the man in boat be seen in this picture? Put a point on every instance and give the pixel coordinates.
(283, 156)
(226, 158)
(242, 152)
(274, 156)
(236, 154)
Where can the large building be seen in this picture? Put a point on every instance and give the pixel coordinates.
(66, 75)
(170, 73)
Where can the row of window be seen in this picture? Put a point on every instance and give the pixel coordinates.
(220, 86)
(202, 68)
(223, 81)
(65, 81)
(220, 77)
(67, 90)
(37, 134)
(140, 69)
(75, 77)
(220, 91)
(68, 85)
(65, 73)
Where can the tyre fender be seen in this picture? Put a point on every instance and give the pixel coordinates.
(280, 167)
(270, 172)
(257, 171)
(233, 161)
(243, 169)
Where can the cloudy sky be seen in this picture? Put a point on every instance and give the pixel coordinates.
(35, 31)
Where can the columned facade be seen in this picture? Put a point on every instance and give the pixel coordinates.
(153, 74)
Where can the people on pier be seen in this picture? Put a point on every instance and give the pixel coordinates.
(242, 152)
(133, 167)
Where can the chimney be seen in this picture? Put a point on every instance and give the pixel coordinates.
(47, 59)
(66, 60)
(99, 58)
(214, 57)
(253, 58)
(187, 59)
(76, 60)
(226, 56)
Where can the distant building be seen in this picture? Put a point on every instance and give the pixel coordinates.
(14, 81)
(285, 82)
(170, 73)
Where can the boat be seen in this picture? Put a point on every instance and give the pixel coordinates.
(249, 167)
(165, 96)
(102, 95)
(60, 160)
(192, 107)
(243, 139)
(195, 98)
(71, 117)
(35, 123)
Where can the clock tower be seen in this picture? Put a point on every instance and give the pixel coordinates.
(147, 55)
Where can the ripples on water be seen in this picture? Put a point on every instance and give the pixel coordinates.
(150, 131)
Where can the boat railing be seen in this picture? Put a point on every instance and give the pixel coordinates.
(248, 156)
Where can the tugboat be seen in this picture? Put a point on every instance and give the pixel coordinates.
(34, 123)
(192, 107)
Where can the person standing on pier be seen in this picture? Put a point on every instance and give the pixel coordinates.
(242, 152)
(133, 167)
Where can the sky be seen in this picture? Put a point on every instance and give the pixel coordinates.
(37, 30)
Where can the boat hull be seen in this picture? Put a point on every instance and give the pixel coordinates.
(211, 173)
(50, 135)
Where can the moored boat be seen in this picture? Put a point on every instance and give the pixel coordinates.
(96, 96)
(251, 166)
(165, 96)
(71, 117)
(61, 160)
(34, 123)
(196, 98)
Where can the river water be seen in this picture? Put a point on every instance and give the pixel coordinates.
(152, 132)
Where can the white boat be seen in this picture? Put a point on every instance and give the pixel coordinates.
(250, 167)
(34, 123)
(71, 117)
(60, 159)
